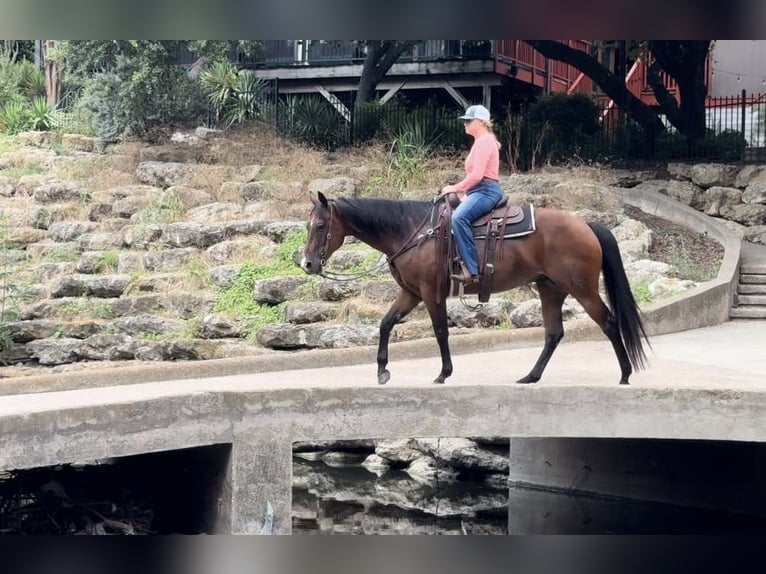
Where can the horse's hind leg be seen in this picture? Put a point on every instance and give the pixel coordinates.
(599, 312)
(552, 298)
(404, 303)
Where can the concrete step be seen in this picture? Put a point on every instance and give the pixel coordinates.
(748, 313)
(752, 289)
(751, 299)
(747, 278)
(753, 268)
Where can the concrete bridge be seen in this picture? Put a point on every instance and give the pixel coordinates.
(704, 383)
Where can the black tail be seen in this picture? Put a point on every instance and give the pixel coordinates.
(624, 307)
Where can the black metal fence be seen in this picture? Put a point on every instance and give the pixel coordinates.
(735, 132)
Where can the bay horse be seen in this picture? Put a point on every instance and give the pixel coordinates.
(564, 255)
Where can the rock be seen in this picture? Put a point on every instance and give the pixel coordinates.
(57, 191)
(680, 171)
(104, 286)
(750, 174)
(234, 249)
(646, 270)
(48, 271)
(43, 216)
(668, 286)
(99, 242)
(330, 290)
(528, 314)
(312, 312)
(169, 258)
(333, 187)
(25, 331)
(745, 213)
(710, 174)
(219, 327)
(384, 291)
(54, 351)
(376, 465)
(138, 325)
(216, 212)
(399, 450)
(138, 236)
(163, 174)
(278, 289)
(495, 312)
(130, 262)
(427, 471)
(289, 336)
(280, 230)
(685, 192)
(189, 197)
(7, 186)
(79, 142)
(223, 275)
(717, 197)
(193, 234)
(755, 193)
(463, 453)
(756, 234)
(134, 205)
(63, 231)
(108, 347)
(166, 351)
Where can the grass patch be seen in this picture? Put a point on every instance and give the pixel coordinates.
(167, 209)
(31, 168)
(641, 293)
(61, 255)
(237, 300)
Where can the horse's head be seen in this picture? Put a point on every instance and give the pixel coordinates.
(325, 234)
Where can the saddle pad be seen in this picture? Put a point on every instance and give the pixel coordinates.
(515, 227)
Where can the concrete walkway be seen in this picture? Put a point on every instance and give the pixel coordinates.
(728, 356)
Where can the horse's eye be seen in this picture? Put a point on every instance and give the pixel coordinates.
(320, 225)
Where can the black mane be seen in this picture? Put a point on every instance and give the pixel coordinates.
(381, 216)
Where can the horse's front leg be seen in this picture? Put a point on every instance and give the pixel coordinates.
(404, 303)
(438, 313)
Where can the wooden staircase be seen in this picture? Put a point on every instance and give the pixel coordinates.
(750, 300)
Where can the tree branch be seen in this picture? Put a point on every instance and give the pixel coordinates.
(611, 84)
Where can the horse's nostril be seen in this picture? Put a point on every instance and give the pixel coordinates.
(308, 264)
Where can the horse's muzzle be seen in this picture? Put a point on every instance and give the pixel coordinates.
(311, 266)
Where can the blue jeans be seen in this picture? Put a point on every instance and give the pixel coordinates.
(479, 200)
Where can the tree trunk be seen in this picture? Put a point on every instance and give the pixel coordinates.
(612, 85)
(684, 60)
(52, 74)
(381, 55)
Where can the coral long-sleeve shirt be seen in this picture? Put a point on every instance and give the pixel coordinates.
(483, 161)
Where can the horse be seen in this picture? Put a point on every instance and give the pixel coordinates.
(564, 255)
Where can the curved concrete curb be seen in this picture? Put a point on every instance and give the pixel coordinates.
(707, 304)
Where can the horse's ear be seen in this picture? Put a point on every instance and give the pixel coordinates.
(313, 197)
(322, 199)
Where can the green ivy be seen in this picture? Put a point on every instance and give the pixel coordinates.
(237, 300)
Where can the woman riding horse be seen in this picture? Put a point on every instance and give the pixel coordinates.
(480, 186)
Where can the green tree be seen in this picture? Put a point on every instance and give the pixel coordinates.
(682, 60)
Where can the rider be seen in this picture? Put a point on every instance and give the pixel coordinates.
(480, 186)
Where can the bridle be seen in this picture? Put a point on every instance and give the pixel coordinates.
(323, 252)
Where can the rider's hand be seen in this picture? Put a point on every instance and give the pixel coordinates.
(449, 189)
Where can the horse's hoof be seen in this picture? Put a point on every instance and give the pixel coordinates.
(526, 380)
(624, 382)
(439, 380)
(383, 377)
